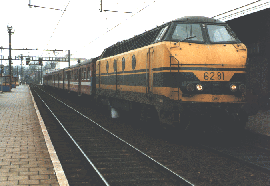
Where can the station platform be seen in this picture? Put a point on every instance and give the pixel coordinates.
(27, 156)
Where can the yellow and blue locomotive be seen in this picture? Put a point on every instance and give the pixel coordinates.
(187, 68)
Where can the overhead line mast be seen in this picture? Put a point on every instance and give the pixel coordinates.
(9, 57)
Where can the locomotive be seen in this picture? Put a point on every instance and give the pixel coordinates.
(190, 68)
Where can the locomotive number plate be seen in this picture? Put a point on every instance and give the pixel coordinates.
(214, 76)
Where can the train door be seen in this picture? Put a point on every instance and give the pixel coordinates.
(149, 77)
(79, 82)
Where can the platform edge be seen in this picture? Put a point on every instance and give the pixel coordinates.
(60, 174)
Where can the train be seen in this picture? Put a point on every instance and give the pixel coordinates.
(183, 73)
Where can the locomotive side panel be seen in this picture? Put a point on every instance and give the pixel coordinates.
(124, 76)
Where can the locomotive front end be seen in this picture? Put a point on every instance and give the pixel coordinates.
(208, 63)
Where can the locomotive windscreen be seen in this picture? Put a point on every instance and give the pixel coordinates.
(219, 33)
(183, 31)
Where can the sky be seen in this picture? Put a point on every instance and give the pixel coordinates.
(86, 31)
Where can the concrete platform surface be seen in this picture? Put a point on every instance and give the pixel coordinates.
(27, 156)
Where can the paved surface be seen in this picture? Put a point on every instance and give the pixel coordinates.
(24, 155)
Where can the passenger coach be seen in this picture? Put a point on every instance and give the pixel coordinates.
(78, 78)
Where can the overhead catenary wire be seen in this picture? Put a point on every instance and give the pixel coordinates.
(59, 21)
(236, 9)
(121, 22)
(241, 12)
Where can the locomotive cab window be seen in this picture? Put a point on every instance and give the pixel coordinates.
(161, 34)
(187, 33)
(220, 34)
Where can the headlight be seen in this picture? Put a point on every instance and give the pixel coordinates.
(233, 87)
(199, 87)
(242, 88)
(190, 87)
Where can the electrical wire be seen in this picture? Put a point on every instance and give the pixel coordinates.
(121, 22)
(242, 12)
(59, 21)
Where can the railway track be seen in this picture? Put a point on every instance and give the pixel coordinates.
(113, 159)
(196, 163)
(251, 149)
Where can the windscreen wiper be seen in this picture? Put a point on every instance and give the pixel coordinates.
(187, 38)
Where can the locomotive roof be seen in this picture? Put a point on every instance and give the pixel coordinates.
(198, 19)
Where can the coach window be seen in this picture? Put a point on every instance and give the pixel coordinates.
(89, 73)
